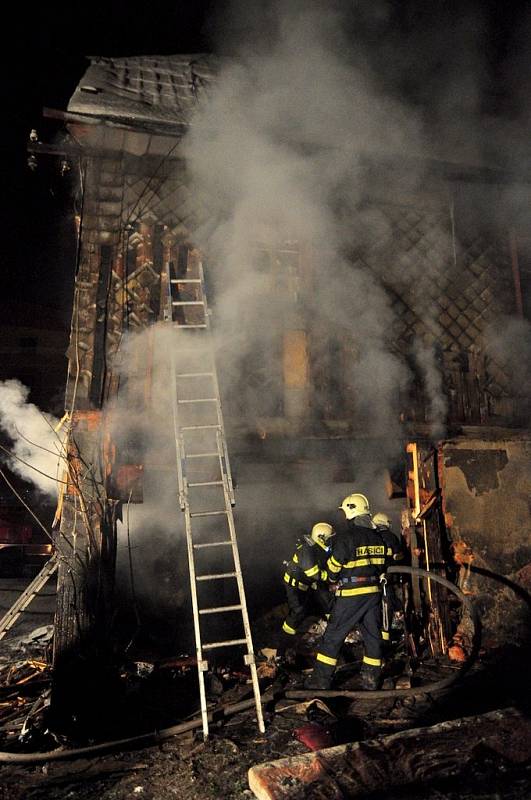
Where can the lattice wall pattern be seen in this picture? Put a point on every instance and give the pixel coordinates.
(164, 196)
(445, 282)
(443, 290)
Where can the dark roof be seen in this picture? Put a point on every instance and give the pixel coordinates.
(144, 90)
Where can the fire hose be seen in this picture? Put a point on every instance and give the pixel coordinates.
(61, 754)
(426, 688)
(152, 737)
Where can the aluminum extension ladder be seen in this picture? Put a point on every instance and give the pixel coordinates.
(206, 493)
(27, 596)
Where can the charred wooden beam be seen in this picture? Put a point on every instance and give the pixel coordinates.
(409, 757)
(86, 540)
(86, 550)
(100, 332)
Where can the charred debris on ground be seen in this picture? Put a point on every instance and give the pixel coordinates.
(152, 695)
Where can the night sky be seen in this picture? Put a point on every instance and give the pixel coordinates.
(45, 58)
(45, 61)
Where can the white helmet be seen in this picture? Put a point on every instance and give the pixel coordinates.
(321, 532)
(382, 520)
(355, 505)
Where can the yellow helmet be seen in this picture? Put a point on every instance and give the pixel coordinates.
(321, 532)
(382, 520)
(355, 505)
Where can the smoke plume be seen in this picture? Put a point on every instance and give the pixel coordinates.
(306, 92)
(431, 372)
(32, 438)
(274, 156)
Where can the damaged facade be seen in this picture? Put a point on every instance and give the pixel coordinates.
(449, 273)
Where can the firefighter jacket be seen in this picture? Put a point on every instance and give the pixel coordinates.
(395, 547)
(359, 556)
(307, 565)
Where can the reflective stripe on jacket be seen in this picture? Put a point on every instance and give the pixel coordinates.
(359, 556)
(308, 564)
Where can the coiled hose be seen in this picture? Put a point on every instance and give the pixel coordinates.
(427, 688)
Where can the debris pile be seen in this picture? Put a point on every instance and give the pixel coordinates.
(302, 733)
(24, 695)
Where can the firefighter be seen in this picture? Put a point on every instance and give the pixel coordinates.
(305, 583)
(390, 601)
(359, 556)
(384, 525)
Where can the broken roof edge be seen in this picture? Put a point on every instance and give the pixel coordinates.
(157, 95)
(144, 92)
(153, 127)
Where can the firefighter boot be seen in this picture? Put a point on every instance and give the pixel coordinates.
(370, 678)
(320, 678)
(287, 658)
(317, 682)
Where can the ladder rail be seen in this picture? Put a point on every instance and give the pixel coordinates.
(179, 448)
(30, 592)
(250, 661)
(225, 468)
(185, 506)
(222, 486)
(176, 430)
(202, 665)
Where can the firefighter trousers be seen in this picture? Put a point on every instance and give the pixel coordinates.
(300, 606)
(363, 611)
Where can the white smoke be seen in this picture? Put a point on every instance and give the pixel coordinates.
(274, 154)
(432, 375)
(508, 349)
(32, 438)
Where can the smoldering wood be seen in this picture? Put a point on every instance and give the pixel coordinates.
(415, 756)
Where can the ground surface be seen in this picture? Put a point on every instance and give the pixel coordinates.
(190, 769)
(185, 767)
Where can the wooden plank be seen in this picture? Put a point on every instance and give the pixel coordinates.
(418, 755)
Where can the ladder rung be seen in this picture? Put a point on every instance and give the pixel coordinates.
(220, 609)
(206, 483)
(216, 577)
(212, 544)
(185, 280)
(187, 303)
(199, 427)
(206, 513)
(201, 455)
(224, 644)
(198, 400)
(194, 374)
(180, 325)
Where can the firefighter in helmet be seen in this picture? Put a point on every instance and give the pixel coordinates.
(384, 526)
(305, 579)
(358, 558)
(391, 603)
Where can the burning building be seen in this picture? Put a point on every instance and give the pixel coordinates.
(366, 291)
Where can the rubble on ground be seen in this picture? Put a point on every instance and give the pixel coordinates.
(422, 755)
(185, 766)
(24, 696)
